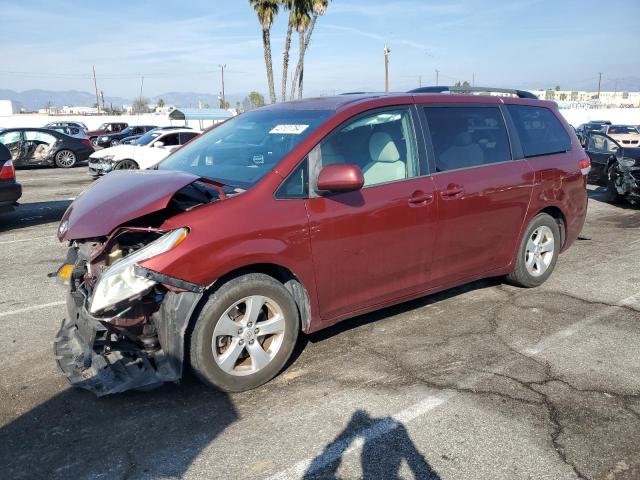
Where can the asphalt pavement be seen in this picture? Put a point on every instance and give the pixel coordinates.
(481, 381)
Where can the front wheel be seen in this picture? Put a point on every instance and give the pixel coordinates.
(65, 159)
(245, 333)
(126, 165)
(538, 252)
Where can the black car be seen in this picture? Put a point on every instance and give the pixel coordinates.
(615, 166)
(585, 129)
(10, 190)
(113, 139)
(132, 139)
(40, 146)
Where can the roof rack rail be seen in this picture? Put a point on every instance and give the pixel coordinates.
(462, 90)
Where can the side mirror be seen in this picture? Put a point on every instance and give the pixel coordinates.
(340, 177)
(158, 144)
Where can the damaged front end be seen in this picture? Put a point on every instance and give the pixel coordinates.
(626, 174)
(126, 324)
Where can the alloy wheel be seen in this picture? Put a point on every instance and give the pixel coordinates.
(65, 158)
(248, 335)
(539, 251)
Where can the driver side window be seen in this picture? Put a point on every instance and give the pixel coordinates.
(381, 144)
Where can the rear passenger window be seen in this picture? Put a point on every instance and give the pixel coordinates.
(465, 137)
(540, 132)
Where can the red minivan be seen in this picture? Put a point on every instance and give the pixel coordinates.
(298, 215)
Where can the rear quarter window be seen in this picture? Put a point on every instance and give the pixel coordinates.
(540, 132)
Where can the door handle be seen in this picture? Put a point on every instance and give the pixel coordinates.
(420, 198)
(451, 193)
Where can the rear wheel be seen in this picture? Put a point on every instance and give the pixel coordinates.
(65, 159)
(245, 333)
(126, 164)
(538, 252)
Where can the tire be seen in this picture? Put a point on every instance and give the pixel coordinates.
(611, 193)
(94, 141)
(213, 353)
(541, 228)
(113, 143)
(65, 159)
(126, 164)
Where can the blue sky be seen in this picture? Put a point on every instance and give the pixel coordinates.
(51, 44)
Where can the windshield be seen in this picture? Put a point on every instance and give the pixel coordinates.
(242, 150)
(127, 131)
(148, 137)
(622, 129)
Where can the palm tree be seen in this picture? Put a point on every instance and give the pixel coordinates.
(267, 11)
(291, 6)
(306, 24)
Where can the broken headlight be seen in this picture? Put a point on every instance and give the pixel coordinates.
(119, 282)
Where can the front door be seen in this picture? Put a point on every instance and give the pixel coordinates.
(374, 245)
(483, 195)
(600, 149)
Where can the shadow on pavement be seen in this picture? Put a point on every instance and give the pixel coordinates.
(32, 214)
(129, 435)
(385, 444)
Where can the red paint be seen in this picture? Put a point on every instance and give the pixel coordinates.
(361, 250)
(121, 197)
(340, 178)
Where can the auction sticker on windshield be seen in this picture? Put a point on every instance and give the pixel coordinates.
(289, 129)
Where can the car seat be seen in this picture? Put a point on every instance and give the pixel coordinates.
(386, 164)
(463, 153)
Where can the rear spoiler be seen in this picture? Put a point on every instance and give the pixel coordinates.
(465, 90)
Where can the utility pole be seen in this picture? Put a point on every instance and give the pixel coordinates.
(386, 51)
(419, 80)
(437, 75)
(95, 84)
(473, 79)
(222, 101)
(599, 82)
(102, 96)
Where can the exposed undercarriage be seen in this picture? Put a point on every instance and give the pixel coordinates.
(138, 341)
(139, 345)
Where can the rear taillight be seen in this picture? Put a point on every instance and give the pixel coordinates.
(7, 172)
(585, 166)
(86, 142)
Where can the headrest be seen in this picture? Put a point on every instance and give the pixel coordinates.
(382, 148)
(463, 139)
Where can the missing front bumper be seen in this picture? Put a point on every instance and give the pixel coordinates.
(104, 368)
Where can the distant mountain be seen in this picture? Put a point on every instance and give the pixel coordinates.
(35, 99)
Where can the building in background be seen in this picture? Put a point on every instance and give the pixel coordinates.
(6, 108)
(584, 99)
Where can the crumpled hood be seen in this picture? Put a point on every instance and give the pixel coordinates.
(118, 198)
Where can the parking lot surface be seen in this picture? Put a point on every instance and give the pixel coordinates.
(482, 381)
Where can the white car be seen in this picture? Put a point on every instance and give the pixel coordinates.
(146, 152)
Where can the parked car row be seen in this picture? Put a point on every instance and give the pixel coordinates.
(146, 152)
